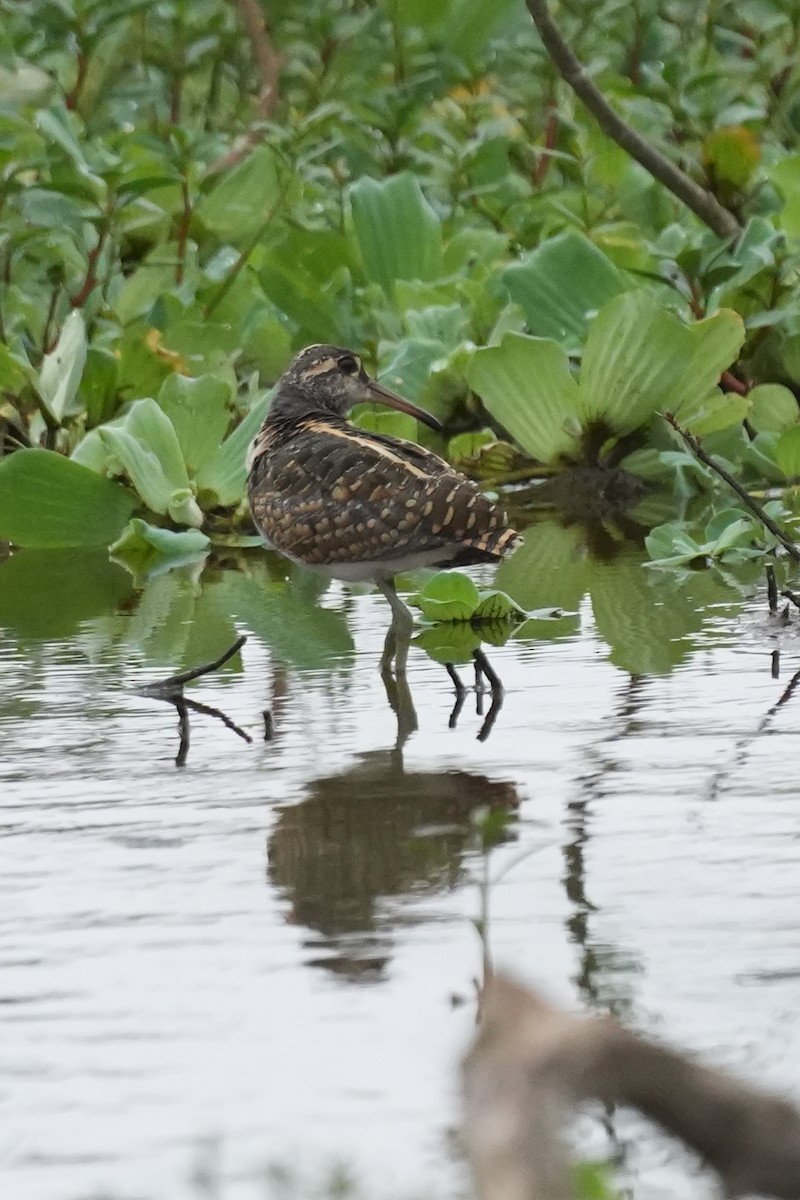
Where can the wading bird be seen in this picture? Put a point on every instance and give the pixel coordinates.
(360, 506)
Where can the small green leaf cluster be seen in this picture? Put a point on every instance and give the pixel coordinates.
(731, 536)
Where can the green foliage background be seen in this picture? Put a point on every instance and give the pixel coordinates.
(421, 185)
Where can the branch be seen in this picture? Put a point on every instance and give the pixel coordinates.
(701, 202)
(268, 65)
(532, 1064)
(173, 684)
(696, 448)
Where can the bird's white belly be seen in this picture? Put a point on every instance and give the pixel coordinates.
(371, 572)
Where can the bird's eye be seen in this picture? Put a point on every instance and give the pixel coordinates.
(349, 364)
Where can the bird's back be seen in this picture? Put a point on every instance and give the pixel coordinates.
(362, 505)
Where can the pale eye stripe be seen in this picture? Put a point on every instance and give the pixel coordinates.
(321, 368)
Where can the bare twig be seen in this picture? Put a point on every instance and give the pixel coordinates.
(532, 1064)
(696, 448)
(268, 65)
(173, 684)
(701, 202)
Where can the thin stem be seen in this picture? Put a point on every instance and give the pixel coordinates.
(90, 278)
(696, 448)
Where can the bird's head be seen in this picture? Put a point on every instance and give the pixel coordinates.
(332, 378)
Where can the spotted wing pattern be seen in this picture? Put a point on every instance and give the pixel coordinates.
(327, 493)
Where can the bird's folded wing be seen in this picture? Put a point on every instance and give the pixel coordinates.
(342, 497)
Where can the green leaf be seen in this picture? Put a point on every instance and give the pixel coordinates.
(470, 23)
(773, 408)
(61, 370)
(785, 174)
(641, 359)
(47, 501)
(717, 411)
(145, 549)
(146, 447)
(398, 232)
(787, 453)
(15, 372)
(562, 285)
(225, 473)
(243, 199)
(198, 410)
(99, 384)
(527, 386)
(497, 606)
(393, 424)
(409, 369)
(449, 596)
(465, 446)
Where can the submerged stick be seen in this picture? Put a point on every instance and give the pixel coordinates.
(772, 590)
(694, 444)
(532, 1064)
(174, 683)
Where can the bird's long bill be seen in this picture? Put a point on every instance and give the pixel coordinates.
(392, 400)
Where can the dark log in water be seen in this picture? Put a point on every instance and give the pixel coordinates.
(532, 1064)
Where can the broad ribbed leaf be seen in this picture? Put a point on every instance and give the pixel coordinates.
(527, 386)
(641, 359)
(147, 448)
(198, 410)
(497, 606)
(562, 285)
(60, 374)
(225, 473)
(48, 501)
(398, 232)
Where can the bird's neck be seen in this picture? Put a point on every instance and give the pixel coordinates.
(291, 407)
(289, 414)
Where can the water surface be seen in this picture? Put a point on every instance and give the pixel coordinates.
(274, 947)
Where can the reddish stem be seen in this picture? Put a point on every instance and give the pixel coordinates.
(48, 341)
(550, 133)
(696, 301)
(90, 279)
(731, 384)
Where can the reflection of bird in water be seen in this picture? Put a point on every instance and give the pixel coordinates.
(368, 834)
(360, 506)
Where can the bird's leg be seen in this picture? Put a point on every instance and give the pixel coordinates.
(398, 638)
(387, 658)
(456, 678)
(461, 693)
(484, 667)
